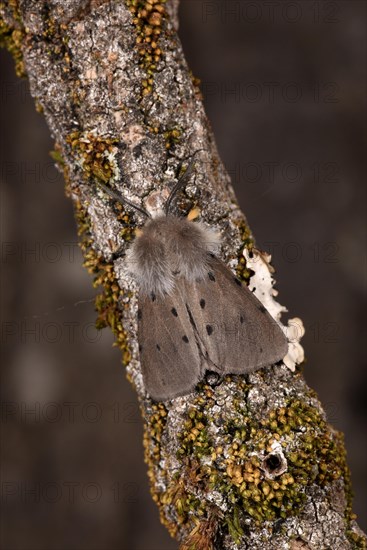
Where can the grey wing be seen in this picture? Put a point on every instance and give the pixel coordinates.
(169, 353)
(237, 332)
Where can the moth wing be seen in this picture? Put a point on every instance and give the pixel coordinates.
(238, 334)
(169, 353)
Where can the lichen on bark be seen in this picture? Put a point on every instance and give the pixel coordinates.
(251, 463)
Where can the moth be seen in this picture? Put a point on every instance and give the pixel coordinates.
(196, 319)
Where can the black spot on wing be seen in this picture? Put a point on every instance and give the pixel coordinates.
(140, 314)
(262, 309)
(158, 347)
(185, 339)
(211, 276)
(153, 296)
(202, 303)
(174, 312)
(209, 329)
(237, 281)
(242, 319)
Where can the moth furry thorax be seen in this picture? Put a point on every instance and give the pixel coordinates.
(168, 248)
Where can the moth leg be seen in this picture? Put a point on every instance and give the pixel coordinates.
(193, 214)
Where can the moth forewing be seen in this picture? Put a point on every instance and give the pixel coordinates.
(237, 332)
(169, 353)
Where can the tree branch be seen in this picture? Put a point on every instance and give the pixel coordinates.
(253, 462)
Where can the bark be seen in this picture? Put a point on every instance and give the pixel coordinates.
(251, 463)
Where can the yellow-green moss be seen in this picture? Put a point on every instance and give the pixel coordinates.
(234, 525)
(242, 272)
(315, 455)
(194, 437)
(153, 429)
(95, 154)
(56, 155)
(196, 82)
(56, 39)
(149, 17)
(358, 541)
(108, 302)
(11, 38)
(172, 137)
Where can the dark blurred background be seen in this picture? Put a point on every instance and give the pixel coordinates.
(284, 86)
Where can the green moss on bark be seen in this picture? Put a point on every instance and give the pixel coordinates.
(11, 37)
(313, 455)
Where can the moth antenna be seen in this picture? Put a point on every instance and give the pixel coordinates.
(181, 183)
(122, 200)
